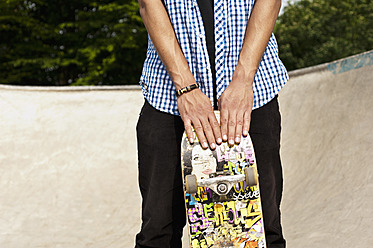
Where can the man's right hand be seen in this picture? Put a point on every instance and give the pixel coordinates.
(196, 111)
(194, 106)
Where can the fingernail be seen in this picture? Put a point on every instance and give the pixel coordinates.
(191, 140)
(231, 142)
(213, 146)
(245, 132)
(205, 145)
(237, 140)
(225, 137)
(219, 141)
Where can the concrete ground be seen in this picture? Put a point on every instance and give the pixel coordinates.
(68, 162)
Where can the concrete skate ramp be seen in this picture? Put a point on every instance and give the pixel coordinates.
(68, 167)
(68, 162)
(327, 149)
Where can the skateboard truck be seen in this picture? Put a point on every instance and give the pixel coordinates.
(221, 185)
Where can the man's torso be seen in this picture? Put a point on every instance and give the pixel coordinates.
(192, 26)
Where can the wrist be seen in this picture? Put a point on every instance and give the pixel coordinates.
(186, 89)
(182, 78)
(243, 74)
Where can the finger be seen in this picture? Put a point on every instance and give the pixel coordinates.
(231, 128)
(189, 132)
(239, 126)
(246, 123)
(207, 129)
(200, 134)
(215, 128)
(224, 124)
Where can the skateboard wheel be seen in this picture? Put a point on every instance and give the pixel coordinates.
(251, 175)
(191, 184)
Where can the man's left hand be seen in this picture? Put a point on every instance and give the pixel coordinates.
(235, 105)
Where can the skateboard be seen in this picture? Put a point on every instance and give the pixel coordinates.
(222, 197)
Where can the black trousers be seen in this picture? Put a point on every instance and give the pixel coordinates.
(163, 211)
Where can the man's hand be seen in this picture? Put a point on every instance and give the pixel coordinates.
(196, 111)
(235, 105)
(236, 102)
(194, 107)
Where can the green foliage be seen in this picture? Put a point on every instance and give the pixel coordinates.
(70, 42)
(311, 32)
(88, 42)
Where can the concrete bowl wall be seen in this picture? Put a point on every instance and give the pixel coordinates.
(68, 161)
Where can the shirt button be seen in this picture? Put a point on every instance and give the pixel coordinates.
(208, 68)
(195, 4)
(201, 36)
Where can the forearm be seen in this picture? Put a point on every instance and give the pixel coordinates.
(236, 102)
(258, 32)
(162, 34)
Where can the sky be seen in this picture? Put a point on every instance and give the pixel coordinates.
(284, 3)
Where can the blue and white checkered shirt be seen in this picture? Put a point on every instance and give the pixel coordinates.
(231, 17)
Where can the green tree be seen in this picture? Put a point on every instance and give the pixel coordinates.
(311, 32)
(70, 42)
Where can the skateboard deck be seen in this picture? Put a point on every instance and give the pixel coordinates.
(222, 197)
